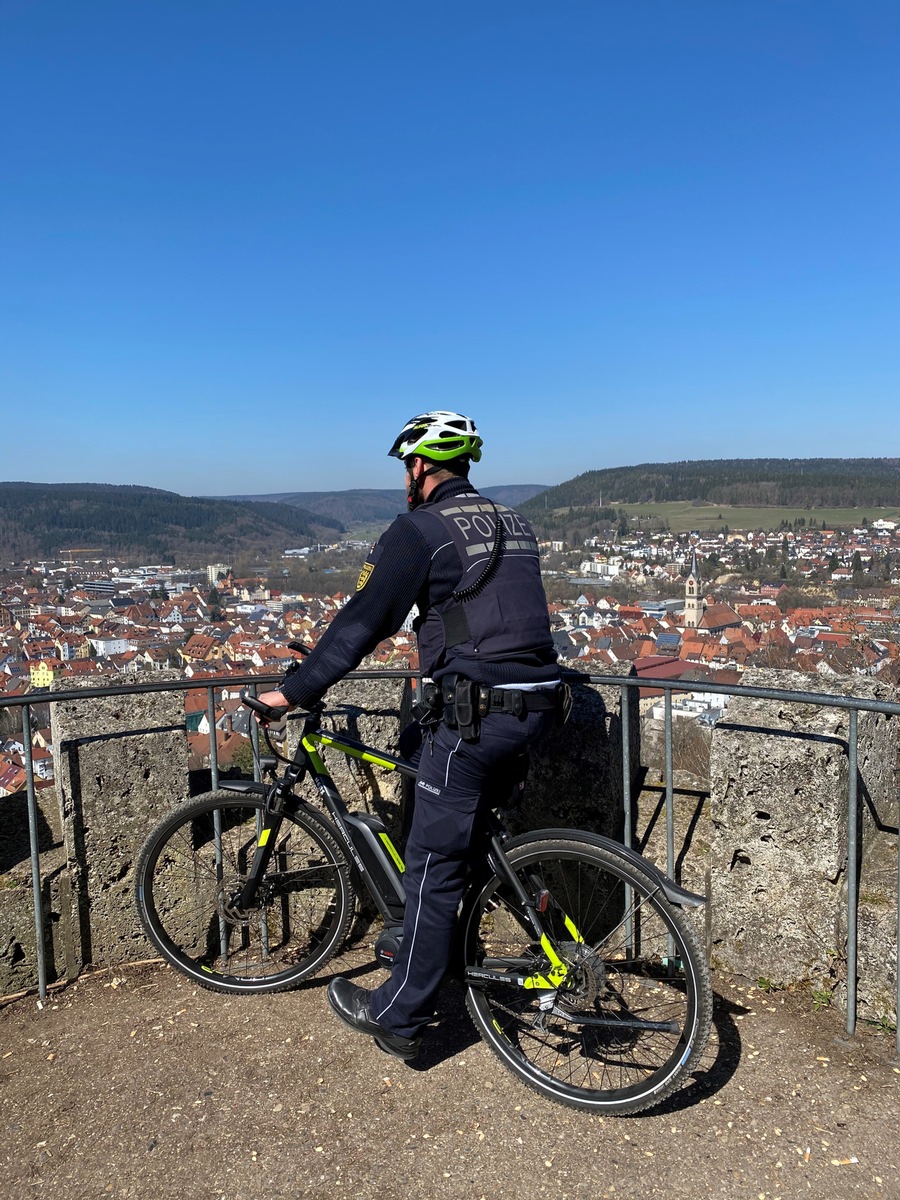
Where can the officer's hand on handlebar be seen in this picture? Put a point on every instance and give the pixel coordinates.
(269, 707)
(276, 702)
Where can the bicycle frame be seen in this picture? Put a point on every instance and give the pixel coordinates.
(377, 862)
(368, 845)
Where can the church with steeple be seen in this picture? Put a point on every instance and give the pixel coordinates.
(694, 604)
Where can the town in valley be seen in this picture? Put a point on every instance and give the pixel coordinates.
(696, 607)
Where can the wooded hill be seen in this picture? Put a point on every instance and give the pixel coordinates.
(362, 506)
(750, 482)
(38, 520)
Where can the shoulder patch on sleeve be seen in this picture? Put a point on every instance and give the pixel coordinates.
(368, 566)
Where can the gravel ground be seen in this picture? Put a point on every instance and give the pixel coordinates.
(140, 1085)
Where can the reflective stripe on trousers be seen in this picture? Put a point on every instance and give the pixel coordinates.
(455, 781)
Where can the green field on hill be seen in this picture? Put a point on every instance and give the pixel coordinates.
(682, 516)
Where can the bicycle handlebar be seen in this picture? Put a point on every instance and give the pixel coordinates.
(269, 711)
(272, 712)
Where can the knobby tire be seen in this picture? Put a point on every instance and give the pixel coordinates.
(639, 975)
(195, 862)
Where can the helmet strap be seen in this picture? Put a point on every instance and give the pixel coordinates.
(414, 495)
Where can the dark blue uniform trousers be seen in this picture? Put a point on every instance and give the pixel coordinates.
(456, 781)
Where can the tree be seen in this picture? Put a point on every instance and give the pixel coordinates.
(242, 758)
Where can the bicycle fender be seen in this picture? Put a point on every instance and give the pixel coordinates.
(243, 785)
(672, 891)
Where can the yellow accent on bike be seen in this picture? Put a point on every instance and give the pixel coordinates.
(264, 837)
(325, 740)
(392, 851)
(573, 929)
(554, 976)
(314, 757)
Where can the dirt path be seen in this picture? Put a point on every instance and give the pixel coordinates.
(141, 1085)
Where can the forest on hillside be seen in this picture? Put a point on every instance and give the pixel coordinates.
(365, 506)
(40, 520)
(596, 501)
(750, 482)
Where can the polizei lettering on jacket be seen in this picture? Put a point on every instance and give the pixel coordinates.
(507, 619)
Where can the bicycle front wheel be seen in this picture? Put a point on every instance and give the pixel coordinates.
(632, 1013)
(193, 866)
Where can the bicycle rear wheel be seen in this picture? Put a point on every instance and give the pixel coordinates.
(192, 867)
(632, 1015)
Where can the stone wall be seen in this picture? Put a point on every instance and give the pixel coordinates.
(121, 763)
(767, 842)
(18, 958)
(373, 711)
(778, 846)
(576, 778)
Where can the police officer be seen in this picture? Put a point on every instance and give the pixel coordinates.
(471, 568)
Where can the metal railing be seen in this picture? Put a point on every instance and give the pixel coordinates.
(853, 704)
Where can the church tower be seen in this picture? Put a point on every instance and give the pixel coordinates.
(693, 600)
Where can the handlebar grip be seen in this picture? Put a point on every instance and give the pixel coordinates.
(270, 712)
(299, 648)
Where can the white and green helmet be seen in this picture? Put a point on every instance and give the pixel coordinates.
(439, 436)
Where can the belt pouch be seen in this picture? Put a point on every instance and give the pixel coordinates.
(467, 721)
(448, 695)
(429, 707)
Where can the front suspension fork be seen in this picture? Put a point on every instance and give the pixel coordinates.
(266, 840)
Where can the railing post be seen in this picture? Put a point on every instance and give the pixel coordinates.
(254, 737)
(852, 872)
(627, 830)
(627, 824)
(39, 948)
(213, 748)
(670, 799)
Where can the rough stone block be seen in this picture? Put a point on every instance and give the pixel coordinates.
(18, 956)
(121, 764)
(576, 778)
(779, 804)
(373, 711)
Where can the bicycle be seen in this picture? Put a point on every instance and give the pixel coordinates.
(581, 972)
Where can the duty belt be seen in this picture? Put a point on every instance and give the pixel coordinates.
(461, 703)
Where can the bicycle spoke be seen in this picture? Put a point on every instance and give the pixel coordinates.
(191, 878)
(619, 1028)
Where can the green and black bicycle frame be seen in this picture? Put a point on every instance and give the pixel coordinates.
(372, 855)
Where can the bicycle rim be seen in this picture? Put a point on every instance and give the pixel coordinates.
(195, 863)
(633, 1013)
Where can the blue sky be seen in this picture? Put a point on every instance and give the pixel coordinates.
(242, 242)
